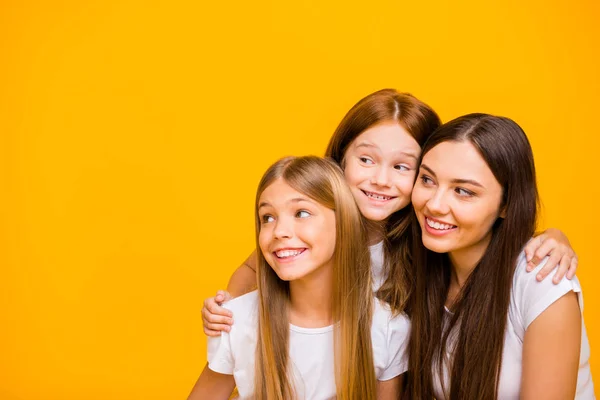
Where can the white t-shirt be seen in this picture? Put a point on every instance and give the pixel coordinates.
(377, 270)
(311, 350)
(528, 299)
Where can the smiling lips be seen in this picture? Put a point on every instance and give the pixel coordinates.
(438, 228)
(288, 254)
(377, 196)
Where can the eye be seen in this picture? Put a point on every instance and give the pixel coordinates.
(464, 192)
(426, 180)
(302, 214)
(267, 218)
(366, 160)
(401, 167)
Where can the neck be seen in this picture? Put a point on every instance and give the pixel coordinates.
(375, 231)
(311, 299)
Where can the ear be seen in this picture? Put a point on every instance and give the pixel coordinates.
(502, 213)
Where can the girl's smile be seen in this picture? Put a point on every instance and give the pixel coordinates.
(289, 254)
(297, 234)
(378, 197)
(379, 167)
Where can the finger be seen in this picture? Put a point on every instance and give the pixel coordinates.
(217, 327)
(210, 332)
(547, 247)
(572, 268)
(214, 308)
(205, 315)
(563, 267)
(208, 317)
(217, 319)
(551, 263)
(226, 295)
(211, 301)
(531, 247)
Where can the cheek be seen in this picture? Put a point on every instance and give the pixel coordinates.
(322, 237)
(419, 198)
(329, 238)
(480, 219)
(405, 184)
(353, 173)
(263, 241)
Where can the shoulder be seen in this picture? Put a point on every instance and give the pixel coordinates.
(384, 320)
(245, 311)
(231, 347)
(389, 337)
(526, 282)
(530, 297)
(244, 303)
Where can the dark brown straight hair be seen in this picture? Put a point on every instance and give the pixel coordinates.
(323, 181)
(478, 322)
(419, 120)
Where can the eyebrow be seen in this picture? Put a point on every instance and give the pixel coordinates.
(294, 200)
(372, 146)
(366, 144)
(460, 181)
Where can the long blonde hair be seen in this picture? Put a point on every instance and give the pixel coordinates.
(323, 181)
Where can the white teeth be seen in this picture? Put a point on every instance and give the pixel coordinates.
(377, 196)
(437, 225)
(287, 253)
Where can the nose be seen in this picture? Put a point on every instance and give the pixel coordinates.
(437, 203)
(283, 229)
(381, 176)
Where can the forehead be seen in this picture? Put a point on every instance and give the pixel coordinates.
(279, 190)
(388, 137)
(459, 160)
(280, 194)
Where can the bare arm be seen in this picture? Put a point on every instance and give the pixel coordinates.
(215, 318)
(212, 386)
(243, 279)
(551, 351)
(561, 256)
(390, 389)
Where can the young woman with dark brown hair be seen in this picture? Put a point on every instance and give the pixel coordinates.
(482, 327)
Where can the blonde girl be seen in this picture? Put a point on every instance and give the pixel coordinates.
(313, 329)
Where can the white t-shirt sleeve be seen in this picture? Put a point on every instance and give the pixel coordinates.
(531, 297)
(396, 346)
(220, 356)
(228, 351)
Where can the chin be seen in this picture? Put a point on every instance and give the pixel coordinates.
(375, 215)
(292, 274)
(436, 245)
(286, 277)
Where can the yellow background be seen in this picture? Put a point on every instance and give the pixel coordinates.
(133, 134)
